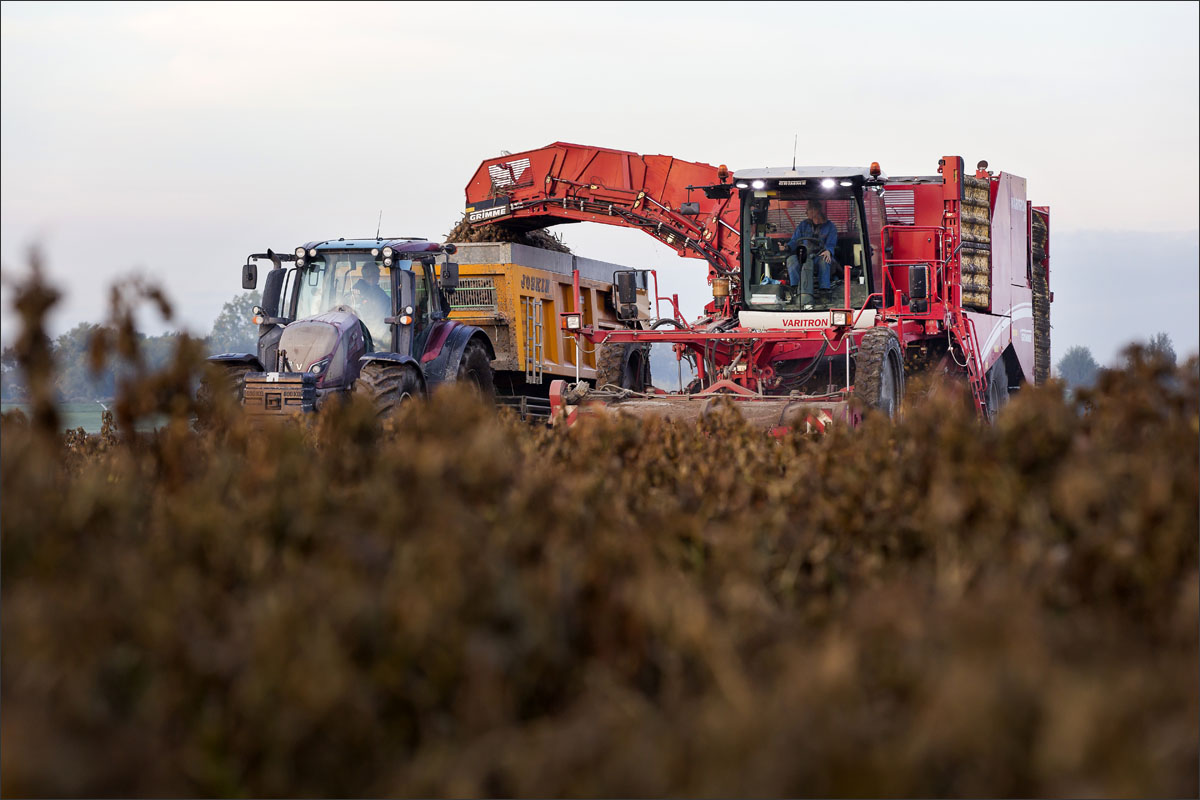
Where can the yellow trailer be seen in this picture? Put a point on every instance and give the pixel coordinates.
(515, 293)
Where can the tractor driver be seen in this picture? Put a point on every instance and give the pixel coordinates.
(370, 301)
(821, 232)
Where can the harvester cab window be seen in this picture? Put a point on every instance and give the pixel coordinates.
(786, 270)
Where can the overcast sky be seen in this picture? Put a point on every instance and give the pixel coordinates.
(175, 138)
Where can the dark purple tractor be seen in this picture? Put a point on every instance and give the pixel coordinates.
(368, 317)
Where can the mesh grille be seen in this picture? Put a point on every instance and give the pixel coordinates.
(474, 294)
(901, 206)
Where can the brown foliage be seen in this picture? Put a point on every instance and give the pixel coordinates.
(460, 604)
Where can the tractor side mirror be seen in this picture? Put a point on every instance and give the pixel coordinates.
(689, 209)
(271, 290)
(449, 276)
(918, 288)
(249, 275)
(626, 294)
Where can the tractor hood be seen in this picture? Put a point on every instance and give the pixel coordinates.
(328, 344)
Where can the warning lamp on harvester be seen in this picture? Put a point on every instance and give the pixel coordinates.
(875, 170)
(841, 318)
(723, 174)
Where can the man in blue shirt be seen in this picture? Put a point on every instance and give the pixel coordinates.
(822, 239)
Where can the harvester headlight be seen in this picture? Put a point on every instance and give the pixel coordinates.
(299, 252)
(847, 183)
(375, 251)
(828, 183)
(405, 319)
(319, 367)
(312, 253)
(759, 184)
(408, 309)
(840, 318)
(573, 322)
(387, 262)
(299, 262)
(387, 252)
(742, 185)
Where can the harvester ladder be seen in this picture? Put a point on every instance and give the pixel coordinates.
(964, 329)
(534, 339)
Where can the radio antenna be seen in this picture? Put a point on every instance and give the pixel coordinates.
(379, 225)
(795, 142)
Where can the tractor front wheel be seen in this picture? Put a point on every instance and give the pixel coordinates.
(388, 386)
(225, 379)
(879, 371)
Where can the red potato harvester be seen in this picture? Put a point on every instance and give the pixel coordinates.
(947, 271)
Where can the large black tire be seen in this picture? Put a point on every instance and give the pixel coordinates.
(879, 372)
(388, 386)
(475, 368)
(623, 365)
(1041, 304)
(997, 388)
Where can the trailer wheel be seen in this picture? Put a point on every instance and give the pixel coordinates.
(476, 368)
(387, 386)
(879, 371)
(624, 365)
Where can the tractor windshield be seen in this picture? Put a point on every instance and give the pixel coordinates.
(355, 280)
(797, 247)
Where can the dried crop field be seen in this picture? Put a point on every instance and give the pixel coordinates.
(462, 604)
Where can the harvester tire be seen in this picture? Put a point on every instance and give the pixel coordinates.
(1041, 326)
(388, 386)
(475, 368)
(997, 388)
(623, 365)
(879, 371)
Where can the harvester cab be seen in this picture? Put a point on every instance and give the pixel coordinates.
(801, 229)
(365, 316)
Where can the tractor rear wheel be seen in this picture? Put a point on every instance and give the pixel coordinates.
(388, 386)
(475, 368)
(879, 371)
(623, 365)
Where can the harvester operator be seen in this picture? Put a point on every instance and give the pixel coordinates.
(819, 230)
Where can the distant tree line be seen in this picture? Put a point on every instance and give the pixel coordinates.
(232, 331)
(1078, 368)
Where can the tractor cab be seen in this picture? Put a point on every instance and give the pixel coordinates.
(801, 228)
